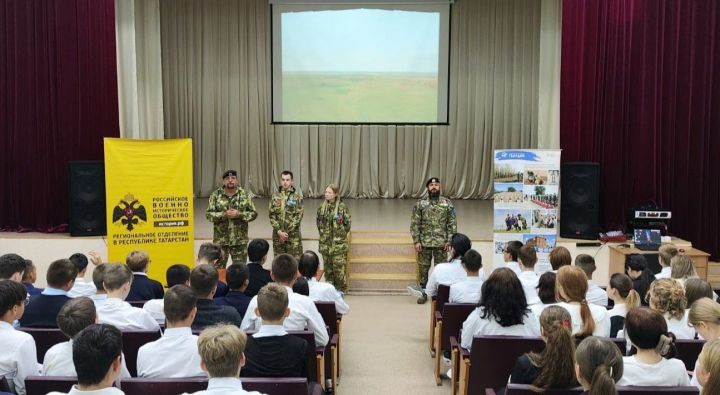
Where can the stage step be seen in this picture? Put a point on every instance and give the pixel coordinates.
(381, 263)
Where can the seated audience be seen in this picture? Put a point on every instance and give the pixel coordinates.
(510, 255)
(82, 287)
(554, 367)
(43, 309)
(595, 294)
(704, 316)
(451, 272)
(115, 310)
(303, 313)
(624, 298)
(648, 332)
(100, 296)
(683, 268)
(203, 281)
(708, 368)
(502, 310)
(29, 277)
(18, 355)
(598, 366)
(667, 297)
(257, 255)
(175, 354)
(468, 290)
(696, 288)
(221, 349)
(237, 281)
(74, 316)
(528, 277)
(97, 355)
(301, 286)
(320, 292)
(587, 319)
(546, 292)
(665, 254)
(12, 267)
(211, 254)
(143, 287)
(636, 267)
(272, 352)
(559, 257)
(175, 274)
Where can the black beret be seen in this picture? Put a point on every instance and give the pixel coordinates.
(431, 180)
(229, 173)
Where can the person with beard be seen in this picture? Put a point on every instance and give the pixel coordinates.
(432, 224)
(230, 210)
(286, 213)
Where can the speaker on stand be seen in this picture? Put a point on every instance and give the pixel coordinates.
(580, 200)
(87, 198)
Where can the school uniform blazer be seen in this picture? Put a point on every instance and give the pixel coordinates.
(144, 288)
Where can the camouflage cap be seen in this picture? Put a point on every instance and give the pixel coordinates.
(431, 180)
(229, 173)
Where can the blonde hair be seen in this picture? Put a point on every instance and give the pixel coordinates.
(668, 296)
(115, 276)
(138, 261)
(682, 267)
(704, 310)
(272, 301)
(666, 252)
(709, 360)
(600, 363)
(221, 348)
(334, 188)
(574, 284)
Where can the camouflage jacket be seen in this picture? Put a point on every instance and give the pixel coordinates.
(286, 211)
(433, 222)
(230, 231)
(333, 222)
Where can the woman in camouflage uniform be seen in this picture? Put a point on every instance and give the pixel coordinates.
(333, 222)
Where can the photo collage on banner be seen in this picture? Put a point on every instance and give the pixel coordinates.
(526, 193)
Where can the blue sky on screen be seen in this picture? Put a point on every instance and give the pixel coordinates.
(361, 40)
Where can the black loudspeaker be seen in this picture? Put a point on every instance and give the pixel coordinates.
(87, 198)
(580, 200)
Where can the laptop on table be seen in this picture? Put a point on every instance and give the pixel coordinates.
(647, 239)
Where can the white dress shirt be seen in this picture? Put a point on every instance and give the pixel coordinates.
(600, 316)
(619, 309)
(466, 291)
(225, 386)
(82, 288)
(270, 331)
(324, 292)
(680, 328)
(125, 317)
(667, 373)
(303, 314)
(175, 354)
(75, 391)
(664, 273)
(474, 325)
(596, 295)
(514, 266)
(538, 308)
(17, 357)
(529, 281)
(59, 362)
(156, 309)
(99, 299)
(445, 273)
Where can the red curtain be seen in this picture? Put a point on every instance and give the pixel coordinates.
(58, 99)
(640, 93)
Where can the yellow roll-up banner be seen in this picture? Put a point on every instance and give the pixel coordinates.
(148, 186)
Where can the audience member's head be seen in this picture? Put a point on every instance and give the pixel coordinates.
(620, 290)
(210, 253)
(80, 261)
(309, 264)
(301, 286)
(12, 300)
(636, 264)
(97, 277)
(667, 296)
(598, 365)
(571, 286)
(284, 269)
(203, 280)
(117, 279)
(177, 274)
(97, 355)
(696, 288)
(12, 267)
(503, 299)
(648, 330)
(237, 276)
(459, 245)
(472, 262)
(179, 305)
(221, 349)
(76, 315)
(708, 369)
(272, 303)
(527, 257)
(682, 267)
(559, 257)
(512, 249)
(704, 316)
(138, 261)
(665, 253)
(30, 274)
(557, 359)
(61, 274)
(587, 264)
(546, 288)
(258, 250)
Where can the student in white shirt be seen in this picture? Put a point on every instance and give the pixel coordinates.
(175, 354)
(529, 279)
(502, 310)
(697, 288)
(587, 319)
(595, 294)
(97, 354)
(303, 312)
(704, 316)
(82, 287)
(707, 369)
(682, 268)
(598, 365)
(75, 315)
(320, 292)
(175, 274)
(559, 257)
(510, 255)
(665, 254)
(468, 290)
(115, 310)
(620, 290)
(546, 293)
(648, 332)
(451, 272)
(17, 358)
(221, 349)
(667, 297)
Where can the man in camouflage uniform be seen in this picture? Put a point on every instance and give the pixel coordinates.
(230, 210)
(286, 212)
(432, 224)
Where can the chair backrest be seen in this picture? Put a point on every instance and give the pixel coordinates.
(688, 351)
(633, 390)
(493, 357)
(44, 339)
(527, 389)
(443, 296)
(132, 341)
(137, 303)
(453, 316)
(276, 386)
(41, 385)
(176, 386)
(329, 314)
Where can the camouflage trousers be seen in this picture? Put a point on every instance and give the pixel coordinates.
(336, 270)
(237, 252)
(293, 246)
(424, 260)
